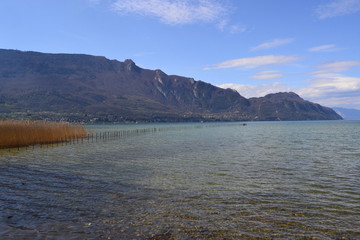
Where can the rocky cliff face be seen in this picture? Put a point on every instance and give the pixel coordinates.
(95, 87)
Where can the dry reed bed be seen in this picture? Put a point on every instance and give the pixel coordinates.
(25, 133)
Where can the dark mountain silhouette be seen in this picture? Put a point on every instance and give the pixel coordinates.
(289, 106)
(84, 87)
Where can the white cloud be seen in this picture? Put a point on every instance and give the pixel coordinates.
(174, 12)
(329, 87)
(237, 28)
(272, 44)
(254, 62)
(224, 25)
(324, 48)
(334, 67)
(330, 83)
(327, 79)
(249, 91)
(336, 90)
(341, 101)
(337, 8)
(333, 90)
(267, 75)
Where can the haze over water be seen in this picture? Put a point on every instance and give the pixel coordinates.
(269, 180)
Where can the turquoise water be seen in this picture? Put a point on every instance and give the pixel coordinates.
(265, 180)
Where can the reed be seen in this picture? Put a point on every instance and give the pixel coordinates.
(25, 133)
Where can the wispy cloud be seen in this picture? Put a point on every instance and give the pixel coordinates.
(224, 25)
(324, 48)
(337, 8)
(335, 67)
(330, 86)
(174, 12)
(254, 62)
(249, 91)
(324, 85)
(343, 100)
(237, 28)
(272, 44)
(268, 75)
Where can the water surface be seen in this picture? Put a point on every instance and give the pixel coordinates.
(265, 180)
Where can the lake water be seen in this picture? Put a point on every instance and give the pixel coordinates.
(265, 180)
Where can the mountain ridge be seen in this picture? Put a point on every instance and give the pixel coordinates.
(88, 87)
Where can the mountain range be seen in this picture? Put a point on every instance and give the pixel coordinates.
(79, 87)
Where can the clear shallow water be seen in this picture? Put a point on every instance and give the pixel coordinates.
(266, 180)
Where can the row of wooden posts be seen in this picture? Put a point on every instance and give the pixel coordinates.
(113, 135)
(116, 134)
(91, 137)
(134, 132)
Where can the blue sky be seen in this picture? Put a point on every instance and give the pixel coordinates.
(311, 47)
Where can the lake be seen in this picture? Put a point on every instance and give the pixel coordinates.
(262, 180)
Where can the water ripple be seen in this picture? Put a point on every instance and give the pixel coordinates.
(261, 181)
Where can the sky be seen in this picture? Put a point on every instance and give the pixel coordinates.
(310, 47)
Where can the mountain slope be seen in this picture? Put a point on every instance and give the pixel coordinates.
(289, 106)
(85, 87)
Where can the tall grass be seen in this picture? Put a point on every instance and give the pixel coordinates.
(24, 133)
